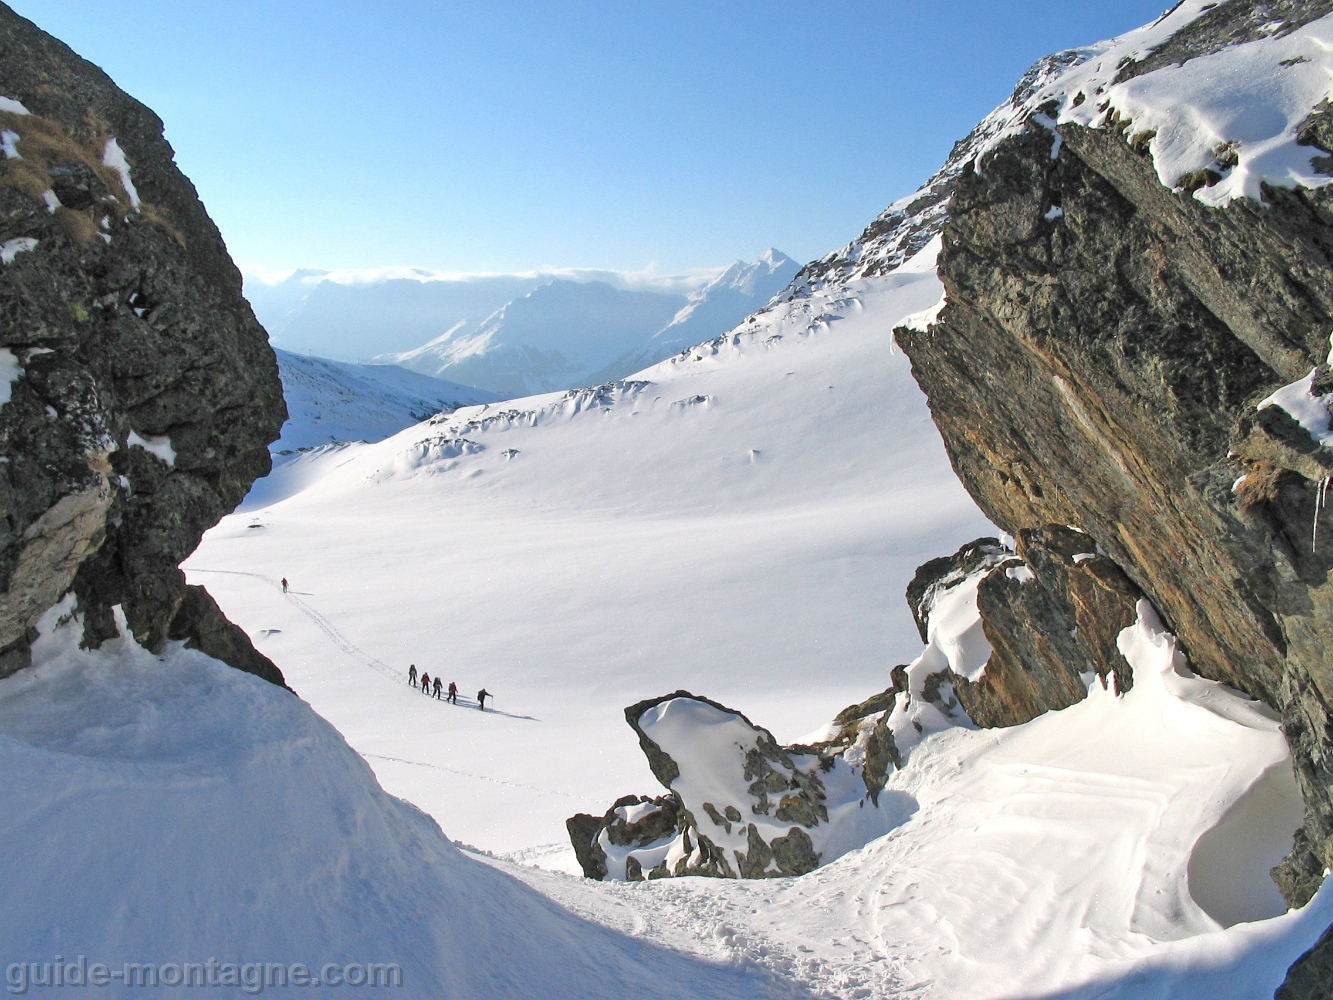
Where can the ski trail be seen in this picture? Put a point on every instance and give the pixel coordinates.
(320, 622)
(479, 777)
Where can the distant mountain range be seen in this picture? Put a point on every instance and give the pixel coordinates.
(513, 335)
(333, 401)
(712, 310)
(567, 334)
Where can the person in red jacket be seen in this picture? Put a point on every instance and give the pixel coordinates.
(453, 693)
(425, 682)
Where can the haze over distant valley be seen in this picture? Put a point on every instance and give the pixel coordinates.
(511, 334)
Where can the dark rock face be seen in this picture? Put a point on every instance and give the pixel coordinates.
(1311, 975)
(1101, 368)
(1050, 619)
(143, 392)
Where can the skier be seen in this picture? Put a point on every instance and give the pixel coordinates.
(435, 686)
(482, 695)
(453, 693)
(284, 585)
(412, 675)
(425, 682)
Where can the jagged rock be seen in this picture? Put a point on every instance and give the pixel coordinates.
(1101, 368)
(740, 805)
(943, 572)
(1051, 619)
(138, 392)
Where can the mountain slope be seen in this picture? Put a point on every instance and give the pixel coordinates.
(563, 551)
(726, 300)
(552, 338)
(332, 401)
(730, 522)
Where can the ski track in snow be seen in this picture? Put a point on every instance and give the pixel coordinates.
(318, 620)
(597, 547)
(357, 653)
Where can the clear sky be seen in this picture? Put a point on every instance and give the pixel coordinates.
(504, 136)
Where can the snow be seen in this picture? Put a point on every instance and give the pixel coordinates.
(333, 401)
(1245, 101)
(739, 520)
(10, 372)
(11, 106)
(626, 548)
(1057, 858)
(167, 809)
(601, 546)
(568, 333)
(114, 157)
(9, 145)
(1301, 403)
(50, 200)
(158, 445)
(12, 248)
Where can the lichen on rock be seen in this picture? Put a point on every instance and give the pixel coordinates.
(123, 325)
(738, 803)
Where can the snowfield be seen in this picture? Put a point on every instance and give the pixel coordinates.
(741, 521)
(170, 811)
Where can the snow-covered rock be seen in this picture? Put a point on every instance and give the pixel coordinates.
(740, 805)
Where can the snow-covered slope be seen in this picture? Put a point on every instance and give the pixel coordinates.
(330, 401)
(352, 316)
(170, 820)
(552, 338)
(727, 522)
(717, 307)
(741, 520)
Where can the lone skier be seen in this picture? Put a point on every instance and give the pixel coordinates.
(412, 675)
(436, 685)
(482, 695)
(453, 693)
(284, 585)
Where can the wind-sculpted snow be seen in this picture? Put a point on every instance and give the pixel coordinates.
(170, 811)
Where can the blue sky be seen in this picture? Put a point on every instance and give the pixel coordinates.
(507, 136)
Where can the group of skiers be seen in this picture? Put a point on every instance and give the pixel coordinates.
(434, 686)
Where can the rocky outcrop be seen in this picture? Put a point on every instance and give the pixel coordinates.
(138, 392)
(738, 804)
(1051, 616)
(1311, 976)
(1101, 365)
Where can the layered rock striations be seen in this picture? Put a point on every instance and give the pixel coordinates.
(1101, 366)
(139, 393)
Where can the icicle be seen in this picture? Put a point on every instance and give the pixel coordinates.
(1320, 499)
